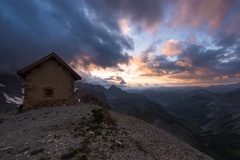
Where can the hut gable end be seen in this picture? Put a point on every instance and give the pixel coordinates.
(48, 82)
(53, 56)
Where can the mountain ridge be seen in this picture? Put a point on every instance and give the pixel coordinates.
(67, 132)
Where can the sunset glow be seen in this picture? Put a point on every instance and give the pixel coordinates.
(128, 43)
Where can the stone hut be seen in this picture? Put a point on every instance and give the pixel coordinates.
(48, 82)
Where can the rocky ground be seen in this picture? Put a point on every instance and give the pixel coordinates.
(83, 132)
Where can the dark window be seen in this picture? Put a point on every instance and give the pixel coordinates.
(48, 92)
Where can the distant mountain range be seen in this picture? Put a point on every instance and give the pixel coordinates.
(213, 88)
(214, 118)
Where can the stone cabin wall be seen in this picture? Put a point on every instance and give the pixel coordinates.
(52, 76)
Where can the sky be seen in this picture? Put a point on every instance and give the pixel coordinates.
(129, 43)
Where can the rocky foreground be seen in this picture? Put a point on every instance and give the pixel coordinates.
(86, 132)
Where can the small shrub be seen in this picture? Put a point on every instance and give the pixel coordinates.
(97, 116)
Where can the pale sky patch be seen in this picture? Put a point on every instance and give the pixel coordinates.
(124, 25)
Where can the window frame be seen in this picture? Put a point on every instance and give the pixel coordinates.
(48, 92)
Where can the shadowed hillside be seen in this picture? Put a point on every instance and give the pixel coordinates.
(214, 118)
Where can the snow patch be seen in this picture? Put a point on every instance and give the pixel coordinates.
(76, 89)
(15, 100)
(2, 85)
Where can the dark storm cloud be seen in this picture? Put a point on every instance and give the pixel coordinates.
(199, 56)
(223, 61)
(32, 29)
(161, 62)
(142, 12)
(227, 40)
(197, 62)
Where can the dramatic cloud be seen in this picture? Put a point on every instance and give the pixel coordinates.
(184, 63)
(116, 79)
(196, 62)
(227, 40)
(155, 42)
(140, 12)
(172, 48)
(32, 29)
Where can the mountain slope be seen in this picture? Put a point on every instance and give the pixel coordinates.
(141, 107)
(162, 97)
(79, 132)
(138, 106)
(214, 118)
(127, 103)
(135, 104)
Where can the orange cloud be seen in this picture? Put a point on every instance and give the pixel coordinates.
(186, 63)
(172, 48)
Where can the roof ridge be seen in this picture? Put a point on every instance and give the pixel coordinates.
(24, 71)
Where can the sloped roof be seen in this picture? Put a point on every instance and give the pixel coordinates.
(22, 73)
